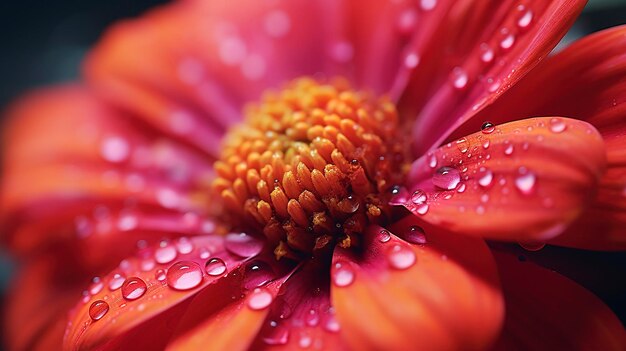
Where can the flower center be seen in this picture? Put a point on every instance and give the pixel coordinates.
(312, 165)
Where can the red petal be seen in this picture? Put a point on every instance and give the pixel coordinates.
(394, 295)
(470, 53)
(521, 181)
(546, 311)
(93, 169)
(585, 81)
(164, 298)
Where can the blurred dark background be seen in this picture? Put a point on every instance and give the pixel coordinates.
(43, 42)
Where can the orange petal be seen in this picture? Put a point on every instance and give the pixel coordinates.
(74, 168)
(520, 181)
(465, 54)
(584, 81)
(441, 295)
(152, 290)
(546, 311)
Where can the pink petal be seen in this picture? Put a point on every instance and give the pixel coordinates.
(470, 53)
(521, 181)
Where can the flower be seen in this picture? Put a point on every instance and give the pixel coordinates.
(386, 148)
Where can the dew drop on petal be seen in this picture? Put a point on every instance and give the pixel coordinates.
(96, 286)
(432, 161)
(276, 335)
(312, 318)
(260, 299)
(422, 209)
(525, 181)
(406, 21)
(384, 236)
(411, 60)
(147, 264)
(159, 275)
(487, 127)
(508, 150)
(98, 309)
(184, 245)
(485, 177)
(525, 19)
(215, 267)
(242, 244)
(487, 53)
(507, 42)
(165, 253)
(428, 5)
(461, 188)
(204, 253)
(459, 78)
(400, 257)
(446, 178)
(342, 274)
(184, 275)
(399, 195)
(418, 197)
(116, 281)
(258, 273)
(332, 325)
(115, 149)
(462, 145)
(557, 125)
(415, 235)
(133, 288)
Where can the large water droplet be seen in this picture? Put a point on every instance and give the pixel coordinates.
(525, 181)
(525, 19)
(258, 273)
(165, 253)
(215, 267)
(98, 309)
(401, 257)
(260, 299)
(133, 288)
(242, 244)
(184, 275)
(508, 40)
(342, 274)
(485, 177)
(557, 125)
(446, 178)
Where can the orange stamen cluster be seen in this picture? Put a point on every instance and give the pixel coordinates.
(311, 165)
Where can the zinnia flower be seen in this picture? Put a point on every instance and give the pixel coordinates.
(236, 175)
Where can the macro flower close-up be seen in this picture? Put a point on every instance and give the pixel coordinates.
(325, 175)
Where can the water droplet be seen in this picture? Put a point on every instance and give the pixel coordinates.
(485, 177)
(488, 127)
(422, 209)
(96, 286)
(411, 60)
(487, 53)
(242, 244)
(348, 205)
(462, 145)
(215, 267)
(276, 335)
(406, 21)
(415, 235)
(312, 318)
(399, 196)
(557, 125)
(165, 253)
(401, 257)
(508, 41)
(204, 253)
(525, 19)
(486, 144)
(384, 236)
(508, 150)
(461, 188)
(159, 275)
(115, 149)
(342, 274)
(446, 178)
(147, 264)
(418, 197)
(260, 299)
(532, 246)
(98, 309)
(428, 5)
(184, 245)
(305, 340)
(459, 78)
(525, 181)
(432, 161)
(184, 275)
(133, 288)
(258, 273)
(116, 281)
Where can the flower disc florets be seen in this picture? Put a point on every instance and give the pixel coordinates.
(312, 165)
